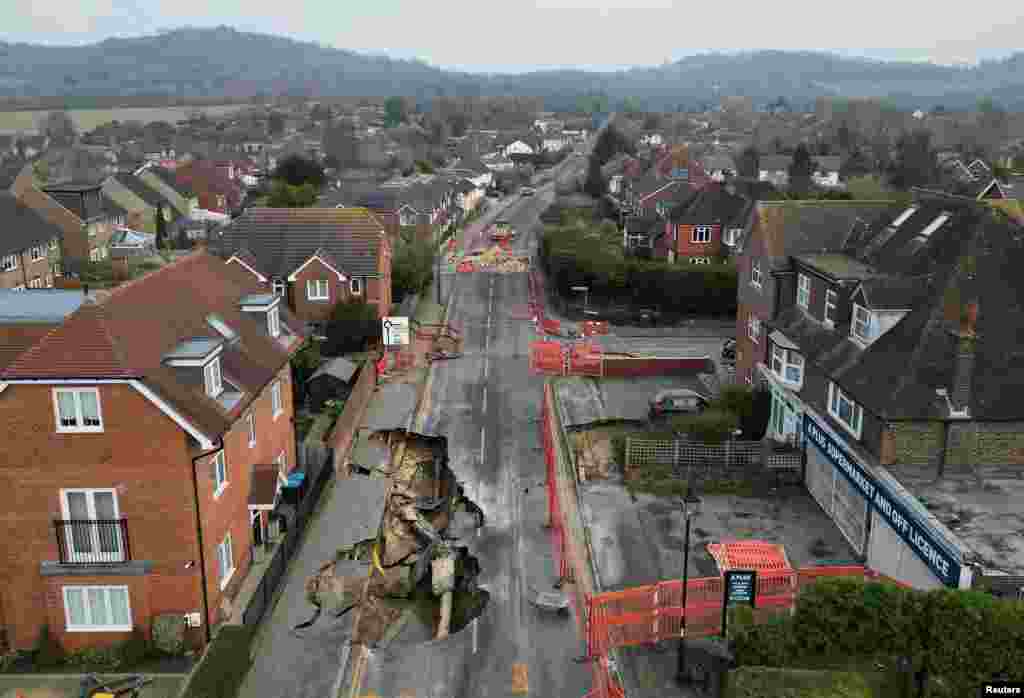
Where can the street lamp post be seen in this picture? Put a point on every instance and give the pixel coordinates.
(690, 504)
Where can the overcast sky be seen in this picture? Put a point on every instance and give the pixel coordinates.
(516, 35)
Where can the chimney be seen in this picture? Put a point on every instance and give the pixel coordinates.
(965, 351)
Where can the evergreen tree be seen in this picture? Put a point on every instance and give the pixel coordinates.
(801, 169)
(161, 228)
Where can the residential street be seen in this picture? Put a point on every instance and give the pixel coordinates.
(486, 403)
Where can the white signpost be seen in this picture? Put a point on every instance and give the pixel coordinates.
(396, 331)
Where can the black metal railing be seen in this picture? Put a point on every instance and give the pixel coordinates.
(92, 541)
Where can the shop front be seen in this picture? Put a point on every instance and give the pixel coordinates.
(882, 521)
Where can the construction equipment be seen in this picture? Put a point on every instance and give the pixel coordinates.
(92, 686)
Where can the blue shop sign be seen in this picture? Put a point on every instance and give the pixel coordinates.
(932, 551)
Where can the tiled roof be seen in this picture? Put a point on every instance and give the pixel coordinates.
(127, 334)
(21, 226)
(713, 204)
(141, 189)
(280, 240)
(112, 208)
(167, 177)
(83, 200)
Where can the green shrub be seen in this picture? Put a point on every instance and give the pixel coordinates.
(713, 426)
(169, 633)
(49, 652)
(119, 655)
(223, 668)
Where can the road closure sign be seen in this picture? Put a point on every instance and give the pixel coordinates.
(396, 331)
(741, 587)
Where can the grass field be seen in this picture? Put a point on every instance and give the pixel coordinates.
(88, 119)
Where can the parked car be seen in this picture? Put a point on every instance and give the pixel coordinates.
(678, 401)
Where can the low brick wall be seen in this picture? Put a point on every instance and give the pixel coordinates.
(628, 366)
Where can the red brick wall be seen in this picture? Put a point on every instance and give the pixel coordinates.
(74, 237)
(379, 289)
(685, 247)
(748, 353)
(655, 366)
(141, 453)
(229, 512)
(317, 311)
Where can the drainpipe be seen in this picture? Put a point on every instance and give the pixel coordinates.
(199, 536)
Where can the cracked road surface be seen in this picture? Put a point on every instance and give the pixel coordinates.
(487, 404)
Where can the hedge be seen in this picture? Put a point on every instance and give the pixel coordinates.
(961, 638)
(223, 667)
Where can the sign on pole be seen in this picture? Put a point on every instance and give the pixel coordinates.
(740, 587)
(396, 331)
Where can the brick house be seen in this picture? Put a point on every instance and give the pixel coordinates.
(892, 351)
(30, 255)
(780, 229)
(708, 225)
(152, 407)
(213, 189)
(86, 223)
(313, 257)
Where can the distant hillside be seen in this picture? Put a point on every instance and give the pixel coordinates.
(225, 63)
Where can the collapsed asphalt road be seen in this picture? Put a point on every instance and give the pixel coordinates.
(486, 404)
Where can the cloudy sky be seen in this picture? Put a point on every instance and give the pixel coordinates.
(515, 35)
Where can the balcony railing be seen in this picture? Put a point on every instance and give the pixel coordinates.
(92, 541)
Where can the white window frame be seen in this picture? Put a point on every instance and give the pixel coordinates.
(276, 400)
(803, 291)
(755, 273)
(754, 328)
(37, 282)
(213, 380)
(355, 287)
(220, 473)
(902, 218)
(91, 627)
(831, 306)
(318, 289)
(9, 262)
(836, 397)
(95, 254)
(863, 338)
(700, 260)
(54, 244)
(250, 421)
(784, 359)
(278, 286)
(80, 427)
(731, 235)
(701, 234)
(37, 253)
(274, 322)
(225, 552)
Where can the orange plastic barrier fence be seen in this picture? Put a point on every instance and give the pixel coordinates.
(547, 358)
(551, 326)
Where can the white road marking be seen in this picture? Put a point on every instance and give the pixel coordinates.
(487, 365)
(476, 623)
(483, 441)
(485, 399)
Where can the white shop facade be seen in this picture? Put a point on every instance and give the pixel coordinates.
(885, 524)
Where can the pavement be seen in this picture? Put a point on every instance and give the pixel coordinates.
(486, 404)
(67, 686)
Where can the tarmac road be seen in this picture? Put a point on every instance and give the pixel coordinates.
(487, 404)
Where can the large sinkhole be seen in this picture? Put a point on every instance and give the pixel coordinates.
(424, 577)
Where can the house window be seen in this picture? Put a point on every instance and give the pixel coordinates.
(701, 233)
(318, 290)
(220, 474)
(788, 365)
(212, 378)
(844, 410)
(49, 281)
(97, 609)
(251, 422)
(754, 328)
(279, 287)
(37, 282)
(91, 543)
(861, 326)
(19, 287)
(803, 291)
(356, 286)
(282, 471)
(830, 307)
(38, 252)
(275, 398)
(732, 235)
(274, 322)
(220, 201)
(78, 410)
(9, 262)
(225, 561)
(934, 225)
(755, 273)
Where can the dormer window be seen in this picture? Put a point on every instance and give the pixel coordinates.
(278, 286)
(861, 327)
(356, 287)
(788, 365)
(902, 218)
(217, 323)
(830, 307)
(212, 378)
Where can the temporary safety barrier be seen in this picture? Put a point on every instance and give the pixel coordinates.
(547, 358)
(648, 614)
(585, 360)
(591, 328)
